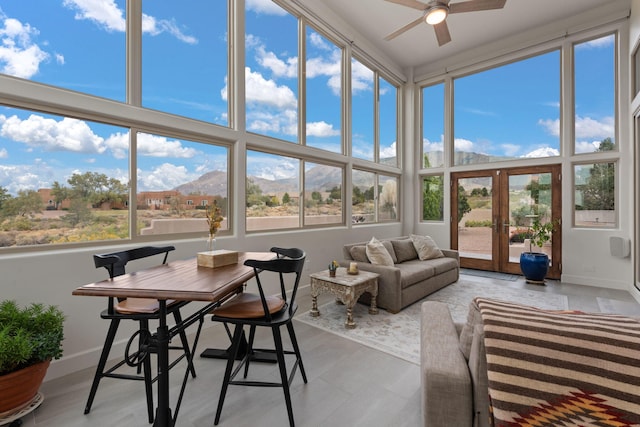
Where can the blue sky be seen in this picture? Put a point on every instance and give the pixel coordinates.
(80, 45)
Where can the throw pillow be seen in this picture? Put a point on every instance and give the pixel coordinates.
(404, 249)
(359, 253)
(426, 247)
(389, 247)
(377, 253)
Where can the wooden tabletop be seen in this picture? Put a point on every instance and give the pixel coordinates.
(178, 280)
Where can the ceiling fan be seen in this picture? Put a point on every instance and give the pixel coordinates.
(436, 11)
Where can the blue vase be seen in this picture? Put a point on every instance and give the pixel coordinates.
(534, 266)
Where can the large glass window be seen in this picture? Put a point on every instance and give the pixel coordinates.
(272, 191)
(433, 126)
(184, 58)
(595, 94)
(595, 195)
(62, 179)
(387, 198)
(271, 73)
(433, 198)
(322, 194)
(374, 197)
(362, 111)
(71, 44)
(177, 180)
(508, 112)
(323, 93)
(388, 123)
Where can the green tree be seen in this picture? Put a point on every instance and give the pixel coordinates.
(432, 198)
(4, 196)
(598, 192)
(28, 203)
(335, 193)
(463, 203)
(97, 188)
(59, 193)
(254, 193)
(315, 195)
(286, 199)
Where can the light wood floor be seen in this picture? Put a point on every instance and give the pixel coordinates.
(349, 384)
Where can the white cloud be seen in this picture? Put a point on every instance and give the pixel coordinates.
(4, 154)
(461, 144)
(587, 146)
(20, 56)
(390, 151)
(107, 15)
(160, 146)
(597, 43)
(510, 149)
(164, 176)
(102, 12)
(332, 68)
(362, 77)
(586, 127)
(272, 167)
(265, 6)
(319, 42)
(552, 126)
(267, 92)
(278, 67)
(428, 145)
(321, 129)
(50, 135)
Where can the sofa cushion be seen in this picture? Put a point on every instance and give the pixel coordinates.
(415, 271)
(359, 253)
(404, 250)
(426, 247)
(377, 253)
(466, 334)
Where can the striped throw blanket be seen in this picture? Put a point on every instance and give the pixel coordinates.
(561, 368)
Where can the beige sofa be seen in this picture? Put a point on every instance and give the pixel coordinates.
(410, 279)
(453, 369)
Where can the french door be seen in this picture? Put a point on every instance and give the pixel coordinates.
(491, 211)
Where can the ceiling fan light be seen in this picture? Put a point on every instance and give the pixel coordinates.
(435, 15)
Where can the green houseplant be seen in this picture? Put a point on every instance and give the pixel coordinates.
(29, 338)
(535, 264)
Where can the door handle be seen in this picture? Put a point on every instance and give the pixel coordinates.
(505, 225)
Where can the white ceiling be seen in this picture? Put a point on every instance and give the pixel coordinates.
(375, 19)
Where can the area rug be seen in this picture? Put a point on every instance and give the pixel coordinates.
(489, 274)
(399, 334)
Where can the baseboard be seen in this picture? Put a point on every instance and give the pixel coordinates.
(590, 281)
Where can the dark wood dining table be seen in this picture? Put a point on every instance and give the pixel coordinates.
(181, 280)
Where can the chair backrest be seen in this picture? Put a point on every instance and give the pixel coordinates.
(287, 261)
(115, 262)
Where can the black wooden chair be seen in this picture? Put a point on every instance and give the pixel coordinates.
(141, 310)
(273, 312)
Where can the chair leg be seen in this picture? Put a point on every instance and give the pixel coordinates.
(252, 334)
(294, 343)
(237, 337)
(277, 338)
(146, 368)
(106, 348)
(185, 343)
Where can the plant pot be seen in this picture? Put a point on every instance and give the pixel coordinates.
(18, 388)
(534, 266)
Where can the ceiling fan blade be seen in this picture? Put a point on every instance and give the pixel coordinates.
(475, 5)
(410, 3)
(407, 27)
(442, 33)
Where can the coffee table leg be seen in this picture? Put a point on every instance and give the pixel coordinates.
(350, 324)
(374, 308)
(314, 303)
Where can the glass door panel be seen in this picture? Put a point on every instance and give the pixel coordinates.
(473, 231)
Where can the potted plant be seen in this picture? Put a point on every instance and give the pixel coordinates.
(535, 264)
(29, 338)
